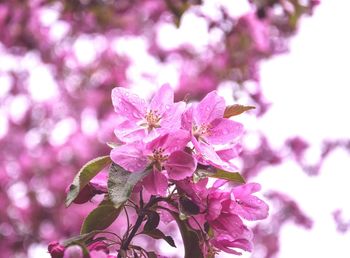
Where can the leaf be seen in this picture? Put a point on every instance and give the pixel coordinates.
(230, 176)
(220, 174)
(189, 237)
(188, 207)
(100, 218)
(152, 221)
(151, 255)
(157, 234)
(81, 238)
(236, 109)
(85, 174)
(121, 183)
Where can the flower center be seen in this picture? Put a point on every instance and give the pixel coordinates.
(201, 130)
(158, 158)
(152, 119)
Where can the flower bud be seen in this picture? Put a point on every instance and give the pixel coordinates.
(56, 250)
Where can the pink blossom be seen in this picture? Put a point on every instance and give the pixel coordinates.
(139, 120)
(211, 131)
(164, 152)
(226, 243)
(247, 205)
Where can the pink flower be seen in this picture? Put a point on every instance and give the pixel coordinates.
(139, 120)
(212, 132)
(247, 205)
(226, 243)
(164, 152)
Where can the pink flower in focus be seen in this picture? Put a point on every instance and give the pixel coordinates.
(164, 152)
(211, 132)
(139, 120)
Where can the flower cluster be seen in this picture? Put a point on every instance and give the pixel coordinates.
(166, 153)
(172, 137)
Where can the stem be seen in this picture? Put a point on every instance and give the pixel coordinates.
(125, 244)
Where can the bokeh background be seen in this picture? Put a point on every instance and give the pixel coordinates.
(59, 61)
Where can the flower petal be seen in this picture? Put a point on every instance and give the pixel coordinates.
(130, 157)
(209, 109)
(247, 205)
(223, 131)
(163, 99)
(155, 183)
(171, 119)
(209, 156)
(129, 131)
(128, 105)
(180, 165)
(170, 142)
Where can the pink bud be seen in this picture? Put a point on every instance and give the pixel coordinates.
(56, 250)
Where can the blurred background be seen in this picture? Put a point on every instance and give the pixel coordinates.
(59, 61)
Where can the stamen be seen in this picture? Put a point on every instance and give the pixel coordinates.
(152, 119)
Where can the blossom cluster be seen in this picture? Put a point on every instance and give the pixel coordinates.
(172, 149)
(175, 140)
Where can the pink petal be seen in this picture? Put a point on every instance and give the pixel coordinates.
(171, 119)
(223, 131)
(187, 117)
(226, 242)
(130, 157)
(170, 142)
(209, 155)
(228, 223)
(128, 105)
(247, 205)
(214, 210)
(250, 208)
(163, 99)
(180, 165)
(156, 183)
(247, 189)
(209, 109)
(129, 131)
(98, 254)
(230, 153)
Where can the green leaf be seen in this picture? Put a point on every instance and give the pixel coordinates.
(85, 174)
(230, 176)
(152, 222)
(121, 183)
(100, 218)
(236, 109)
(81, 238)
(220, 174)
(189, 237)
(157, 234)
